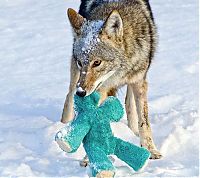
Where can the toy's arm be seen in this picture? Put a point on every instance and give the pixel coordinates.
(76, 132)
(113, 109)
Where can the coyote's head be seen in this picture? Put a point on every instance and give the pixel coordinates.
(98, 49)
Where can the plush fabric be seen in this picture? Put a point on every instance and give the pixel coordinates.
(91, 126)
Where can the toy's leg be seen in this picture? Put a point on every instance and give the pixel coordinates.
(100, 164)
(63, 144)
(136, 157)
(70, 137)
(104, 94)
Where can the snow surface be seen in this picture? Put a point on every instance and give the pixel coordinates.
(36, 44)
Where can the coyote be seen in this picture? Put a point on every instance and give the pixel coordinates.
(114, 43)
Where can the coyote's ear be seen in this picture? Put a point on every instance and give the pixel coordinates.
(113, 26)
(75, 19)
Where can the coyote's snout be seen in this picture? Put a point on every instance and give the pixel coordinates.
(98, 50)
(114, 43)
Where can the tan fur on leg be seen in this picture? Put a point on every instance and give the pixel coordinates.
(146, 140)
(68, 111)
(131, 111)
(112, 92)
(105, 93)
(105, 174)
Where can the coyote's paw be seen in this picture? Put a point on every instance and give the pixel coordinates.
(148, 143)
(155, 154)
(84, 162)
(105, 174)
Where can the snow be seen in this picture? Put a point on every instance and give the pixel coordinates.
(80, 89)
(83, 46)
(36, 45)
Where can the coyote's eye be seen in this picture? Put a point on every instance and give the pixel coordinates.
(96, 63)
(79, 64)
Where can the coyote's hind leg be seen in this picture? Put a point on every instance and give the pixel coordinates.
(146, 139)
(131, 111)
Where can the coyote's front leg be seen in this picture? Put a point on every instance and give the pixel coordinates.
(146, 140)
(68, 111)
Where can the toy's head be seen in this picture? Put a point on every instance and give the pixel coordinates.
(87, 102)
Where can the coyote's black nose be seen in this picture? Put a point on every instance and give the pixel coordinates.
(80, 92)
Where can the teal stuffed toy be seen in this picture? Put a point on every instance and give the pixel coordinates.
(92, 127)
